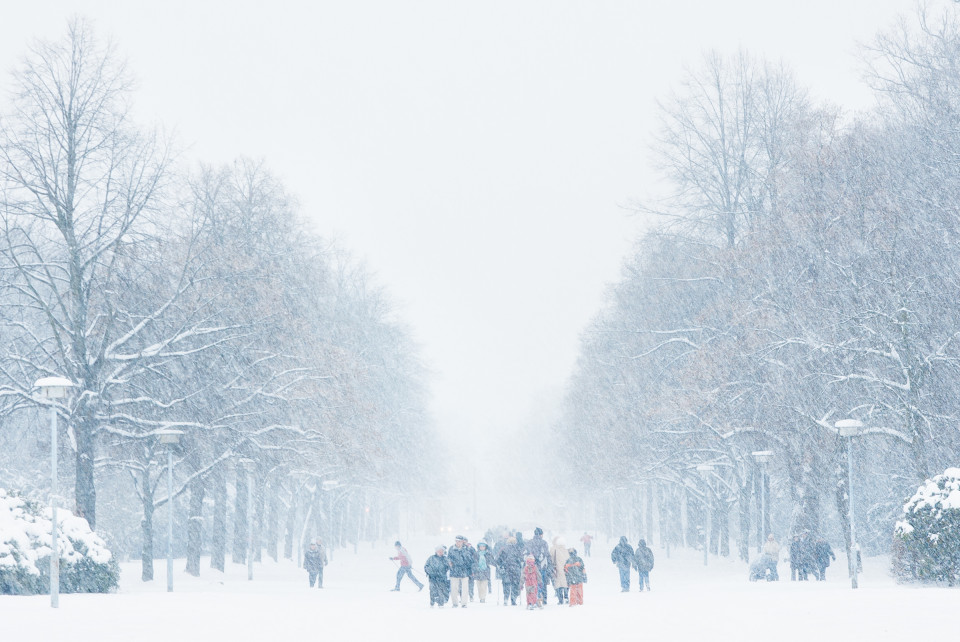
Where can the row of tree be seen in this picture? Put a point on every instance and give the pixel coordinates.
(190, 300)
(806, 270)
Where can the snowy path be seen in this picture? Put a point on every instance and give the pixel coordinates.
(688, 602)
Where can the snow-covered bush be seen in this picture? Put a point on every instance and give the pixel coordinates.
(927, 539)
(86, 565)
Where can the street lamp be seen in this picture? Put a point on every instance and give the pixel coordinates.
(762, 457)
(51, 389)
(170, 439)
(850, 428)
(705, 470)
(248, 464)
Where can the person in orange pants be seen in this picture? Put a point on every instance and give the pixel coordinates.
(576, 576)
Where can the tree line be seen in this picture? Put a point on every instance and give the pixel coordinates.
(192, 299)
(805, 270)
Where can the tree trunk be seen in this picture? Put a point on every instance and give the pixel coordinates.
(271, 517)
(195, 527)
(291, 526)
(723, 528)
(259, 500)
(85, 491)
(240, 519)
(146, 525)
(218, 538)
(743, 541)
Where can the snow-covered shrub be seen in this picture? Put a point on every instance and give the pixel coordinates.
(86, 565)
(927, 539)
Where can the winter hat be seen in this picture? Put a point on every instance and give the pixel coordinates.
(397, 543)
(461, 538)
(528, 558)
(643, 542)
(537, 531)
(481, 543)
(572, 551)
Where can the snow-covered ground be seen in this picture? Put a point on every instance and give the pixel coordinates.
(688, 602)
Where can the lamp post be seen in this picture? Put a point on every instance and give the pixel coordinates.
(52, 388)
(170, 439)
(248, 464)
(705, 470)
(762, 457)
(850, 428)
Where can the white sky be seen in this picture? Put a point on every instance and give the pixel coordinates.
(476, 155)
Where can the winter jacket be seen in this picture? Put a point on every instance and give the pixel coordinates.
(509, 563)
(483, 574)
(312, 561)
(643, 559)
(436, 567)
(823, 553)
(622, 554)
(403, 556)
(574, 569)
(461, 561)
(531, 575)
(558, 557)
(540, 551)
(772, 550)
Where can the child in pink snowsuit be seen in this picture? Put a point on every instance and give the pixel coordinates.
(531, 581)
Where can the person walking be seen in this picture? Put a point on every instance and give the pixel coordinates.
(622, 556)
(509, 564)
(531, 582)
(587, 540)
(404, 558)
(771, 551)
(436, 569)
(312, 563)
(823, 553)
(643, 561)
(461, 568)
(576, 575)
(558, 557)
(323, 561)
(541, 553)
(481, 572)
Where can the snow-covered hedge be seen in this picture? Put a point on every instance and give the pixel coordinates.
(927, 540)
(86, 565)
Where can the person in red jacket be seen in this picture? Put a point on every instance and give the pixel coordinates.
(531, 582)
(404, 569)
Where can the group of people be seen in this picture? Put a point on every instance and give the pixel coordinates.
(808, 556)
(525, 570)
(626, 559)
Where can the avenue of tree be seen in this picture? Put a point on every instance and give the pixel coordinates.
(806, 269)
(188, 299)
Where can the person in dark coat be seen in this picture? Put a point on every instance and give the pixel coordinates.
(541, 554)
(576, 574)
(509, 565)
(795, 555)
(622, 556)
(643, 562)
(312, 563)
(808, 562)
(822, 555)
(461, 568)
(436, 570)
